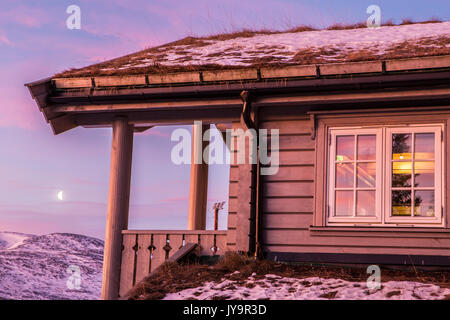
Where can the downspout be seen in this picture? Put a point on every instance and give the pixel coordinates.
(256, 185)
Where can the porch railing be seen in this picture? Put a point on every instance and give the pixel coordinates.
(145, 250)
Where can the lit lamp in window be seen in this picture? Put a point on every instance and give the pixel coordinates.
(401, 156)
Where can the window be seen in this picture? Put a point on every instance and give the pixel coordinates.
(385, 176)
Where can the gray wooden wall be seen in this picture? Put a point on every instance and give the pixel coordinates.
(292, 206)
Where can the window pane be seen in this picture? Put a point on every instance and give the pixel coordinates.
(424, 146)
(344, 203)
(366, 175)
(365, 203)
(424, 174)
(401, 146)
(344, 175)
(424, 203)
(401, 174)
(367, 147)
(401, 203)
(345, 148)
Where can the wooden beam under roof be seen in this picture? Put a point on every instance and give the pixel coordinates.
(204, 103)
(161, 117)
(323, 98)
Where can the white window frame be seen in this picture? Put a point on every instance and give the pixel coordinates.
(332, 165)
(438, 175)
(384, 177)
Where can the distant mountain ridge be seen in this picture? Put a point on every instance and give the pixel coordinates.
(36, 267)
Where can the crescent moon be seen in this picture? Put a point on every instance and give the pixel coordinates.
(60, 195)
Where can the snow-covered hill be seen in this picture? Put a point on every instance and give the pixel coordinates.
(9, 240)
(47, 267)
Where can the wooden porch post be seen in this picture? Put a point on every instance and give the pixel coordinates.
(118, 204)
(198, 192)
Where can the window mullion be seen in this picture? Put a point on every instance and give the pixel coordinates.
(413, 178)
(354, 175)
(384, 167)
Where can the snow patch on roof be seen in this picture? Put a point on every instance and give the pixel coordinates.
(284, 46)
(305, 47)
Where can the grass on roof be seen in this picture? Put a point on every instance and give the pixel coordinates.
(118, 66)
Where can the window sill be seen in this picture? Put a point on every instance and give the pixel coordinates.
(371, 231)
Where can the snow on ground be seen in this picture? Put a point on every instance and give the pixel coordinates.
(11, 240)
(283, 46)
(274, 287)
(36, 267)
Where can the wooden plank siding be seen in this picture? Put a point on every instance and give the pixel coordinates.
(302, 236)
(288, 195)
(292, 197)
(237, 196)
(353, 249)
(232, 208)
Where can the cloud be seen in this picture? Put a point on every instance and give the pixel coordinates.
(5, 40)
(86, 182)
(40, 222)
(25, 16)
(176, 199)
(18, 109)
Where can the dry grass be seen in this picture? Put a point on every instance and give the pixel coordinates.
(245, 33)
(406, 21)
(158, 56)
(388, 23)
(301, 28)
(407, 49)
(343, 26)
(173, 277)
(188, 41)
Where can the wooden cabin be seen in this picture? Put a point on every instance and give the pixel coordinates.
(363, 153)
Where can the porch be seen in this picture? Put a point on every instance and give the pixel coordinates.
(130, 255)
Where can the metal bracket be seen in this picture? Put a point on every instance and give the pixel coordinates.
(246, 110)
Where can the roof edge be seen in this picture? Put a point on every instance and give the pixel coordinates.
(39, 91)
(254, 73)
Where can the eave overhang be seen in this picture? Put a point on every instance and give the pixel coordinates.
(214, 96)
